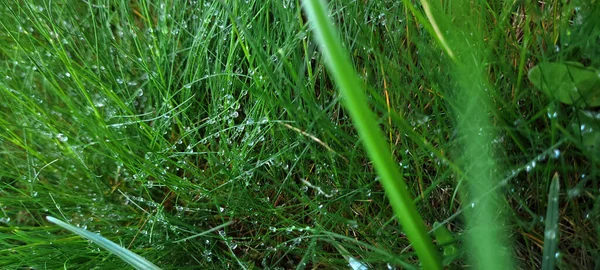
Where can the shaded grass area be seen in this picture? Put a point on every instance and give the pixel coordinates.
(153, 122)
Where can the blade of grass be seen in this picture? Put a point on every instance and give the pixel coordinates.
(364, 120)
(551, 231)
(131, 258)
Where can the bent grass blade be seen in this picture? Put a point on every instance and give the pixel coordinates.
(131, 258)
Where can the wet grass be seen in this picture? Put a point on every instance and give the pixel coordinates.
(152, 123)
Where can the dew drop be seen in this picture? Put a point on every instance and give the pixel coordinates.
(61, 137)
(550, 234)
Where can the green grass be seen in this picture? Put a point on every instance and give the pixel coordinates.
(199, 134)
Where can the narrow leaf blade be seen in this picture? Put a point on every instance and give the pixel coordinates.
(131, 258)
(551, 230)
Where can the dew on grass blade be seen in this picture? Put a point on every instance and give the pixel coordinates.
(131, 258)
(61, 137)
(551, 229)
(574, 192)
(356, 264)
(530, 166)
(551, 111)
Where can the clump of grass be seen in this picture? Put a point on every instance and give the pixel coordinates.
(151, 123)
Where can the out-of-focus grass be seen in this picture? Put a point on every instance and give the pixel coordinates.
(153, 122)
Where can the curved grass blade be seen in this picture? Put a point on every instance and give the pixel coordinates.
(551, 230)
(131, 258)
(340, 66)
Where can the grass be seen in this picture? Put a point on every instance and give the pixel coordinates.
(199, 134)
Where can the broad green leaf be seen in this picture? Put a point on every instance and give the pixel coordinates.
(131, 258)
(445, 240)
(569, 82)
(588, 128)
(551, 230)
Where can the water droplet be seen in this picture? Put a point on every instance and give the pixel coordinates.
(356, 264)
(574, 192)
(61, 137)
(530, 166)
(550, 234)
(551, 112)
(353, 224)
(555, 153)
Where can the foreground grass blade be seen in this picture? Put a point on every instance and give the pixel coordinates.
(131, 258)
(356, 102)
(551, 231)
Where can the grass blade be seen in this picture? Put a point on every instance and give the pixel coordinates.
(364, 120)
(131, 258)
(551, 231)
